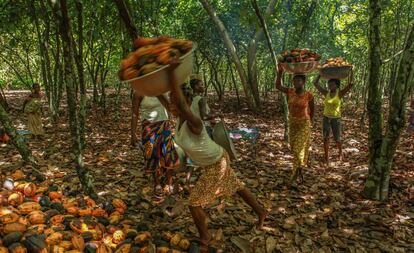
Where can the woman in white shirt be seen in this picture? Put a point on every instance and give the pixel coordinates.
(218, 178)
(199, 103)
(156, 137)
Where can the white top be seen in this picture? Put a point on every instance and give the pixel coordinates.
(201, 149)
(152, 110)
(195, 108)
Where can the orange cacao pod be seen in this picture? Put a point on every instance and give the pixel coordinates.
(55, 195)
(78, 242)
(67, 245)
(99, 212)
(37, 217)
(9, 217)
(119, 203)
(28, 207)
(73, 210)
(14, 227)
(85, 212)
(103, 248)
(54, 238)
(18, 174)
(57, 219)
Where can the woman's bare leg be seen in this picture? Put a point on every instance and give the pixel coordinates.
(248, 197)
(200, 220)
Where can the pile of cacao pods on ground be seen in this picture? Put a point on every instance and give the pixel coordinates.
(336, 62)
(151, 54)
(298, 55)
(36, 217)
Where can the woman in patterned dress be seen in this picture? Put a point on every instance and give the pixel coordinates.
(157, 141)
(218, 178)
(301, 112)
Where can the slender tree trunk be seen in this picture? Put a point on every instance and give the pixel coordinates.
(251, 54)
(377, 183)
(233, 79)
(17, 140)
(81, 76)
(126, 17)
(374, 106)
(232, 51)
(70, 80)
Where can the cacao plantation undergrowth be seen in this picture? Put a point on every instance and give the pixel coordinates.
(327, 212)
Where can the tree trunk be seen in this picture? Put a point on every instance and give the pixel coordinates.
(70, 81)
(126, 17)
(374, 102)
(251, 55)
(232, 51)
(81, 76)
(377, 183)
(3, 101)
(17, 140)
(233, 79)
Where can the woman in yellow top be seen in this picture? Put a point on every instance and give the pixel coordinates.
(301, 111)
(332, 111)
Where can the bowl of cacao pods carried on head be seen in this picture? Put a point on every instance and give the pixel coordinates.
(335, 68)
(145, 69)
(299, 61)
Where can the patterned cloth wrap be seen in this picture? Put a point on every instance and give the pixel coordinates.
(158, 146)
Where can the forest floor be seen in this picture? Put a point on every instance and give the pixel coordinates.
(326, 214)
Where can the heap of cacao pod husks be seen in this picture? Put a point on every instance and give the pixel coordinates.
(38, 217)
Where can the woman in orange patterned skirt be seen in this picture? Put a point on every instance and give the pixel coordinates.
(218, 178)
(301, 112)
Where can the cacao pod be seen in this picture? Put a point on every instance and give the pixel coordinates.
(66, 245)
(119, 203)
(118, 236)
(17, 248)
(124, 248)
(56, 249)
(9, 217)
(73, 210)
(175, 240)
(142, 237)
(78, 242)
(18, 174)
(29, 207)
(55, 195)
(12, 238)
(184, 244)
(15, 199)
(28, 189)
(37, 217)
(14, 227)
(54, 238)
(85, 212)
(99, 212)
(24, 220)
(103, 248)
(35, 243)
(57, 219)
